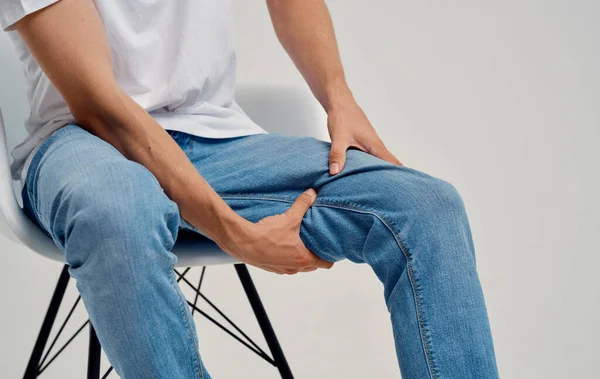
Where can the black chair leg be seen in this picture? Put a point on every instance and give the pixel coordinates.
(40, 344)
(263, 321)
(93, 355)
(95, 349)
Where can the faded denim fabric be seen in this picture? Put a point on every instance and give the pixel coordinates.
(116, 227)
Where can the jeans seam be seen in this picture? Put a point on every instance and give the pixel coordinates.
(182, 304)
(32, 202)
(196, 361)
(410, 268)
(34, 165)
(43, 223)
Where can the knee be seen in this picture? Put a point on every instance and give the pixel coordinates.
(438, 198)
(419, 199)
(119, 217)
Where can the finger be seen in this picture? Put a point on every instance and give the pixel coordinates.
(321, 263)
(271, 269)
(301, 205)
(314, 260)
(337, 157)
(386, 155)
(392, 158)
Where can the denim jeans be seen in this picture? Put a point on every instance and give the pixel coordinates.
(116, 228)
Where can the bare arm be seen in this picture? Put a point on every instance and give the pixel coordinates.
(305, 30)
(75, 56)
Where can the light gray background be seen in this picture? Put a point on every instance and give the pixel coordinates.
(500, 98)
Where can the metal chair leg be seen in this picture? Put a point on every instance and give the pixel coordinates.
(40, 344)
(263, 321)
(93, 355)
(95, 349)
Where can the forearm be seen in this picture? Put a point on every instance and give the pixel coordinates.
(305, 30)
(75, 55)
(124, 124)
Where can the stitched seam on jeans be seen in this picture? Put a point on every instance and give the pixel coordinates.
(32, 202)
(43, 223)
(196, 355)
(413, 281)
(346, 205)
(168, 219)
(35, 164)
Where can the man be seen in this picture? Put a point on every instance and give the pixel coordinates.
(134, 134)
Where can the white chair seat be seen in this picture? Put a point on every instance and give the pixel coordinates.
(277, 108)
(190, 253)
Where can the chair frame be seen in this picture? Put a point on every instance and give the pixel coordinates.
(39, 360)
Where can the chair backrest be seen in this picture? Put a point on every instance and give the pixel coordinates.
(278, 108)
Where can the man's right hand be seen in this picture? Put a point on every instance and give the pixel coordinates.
(274, 243)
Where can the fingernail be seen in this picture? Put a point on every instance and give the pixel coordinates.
(334, 169)
(311, 192)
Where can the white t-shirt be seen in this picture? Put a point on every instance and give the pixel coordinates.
(175, 58)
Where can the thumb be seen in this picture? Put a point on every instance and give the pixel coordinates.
(337, 157)
(386, 155)
(301, 205)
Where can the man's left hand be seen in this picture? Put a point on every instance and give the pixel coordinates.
(349, 127)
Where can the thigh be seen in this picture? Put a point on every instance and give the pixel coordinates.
(278, 167)
(75, 170)
(262, 175)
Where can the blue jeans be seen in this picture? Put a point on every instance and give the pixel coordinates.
(116, 228)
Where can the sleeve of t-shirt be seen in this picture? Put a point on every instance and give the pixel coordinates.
(12, 11)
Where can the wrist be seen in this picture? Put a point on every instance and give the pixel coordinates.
(339, 100)
(215, 219)
(336, 95)
(232, 232)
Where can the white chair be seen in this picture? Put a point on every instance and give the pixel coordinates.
(277, 108)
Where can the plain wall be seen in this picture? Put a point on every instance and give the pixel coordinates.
(498, 97)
